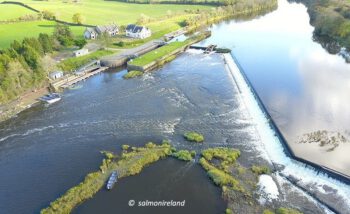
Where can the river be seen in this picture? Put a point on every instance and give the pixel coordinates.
(48, 149)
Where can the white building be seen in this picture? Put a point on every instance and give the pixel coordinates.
(139, 32)
(56, 75)
(81, 52)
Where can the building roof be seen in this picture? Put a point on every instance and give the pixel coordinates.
(90, 30)
(135, 28)
(106, 28)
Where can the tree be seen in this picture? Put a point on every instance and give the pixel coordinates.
(80, 42)
(78, 18)
(46, 14)
(106, 39)
(35, 44)
(64, 35)
(46, 42)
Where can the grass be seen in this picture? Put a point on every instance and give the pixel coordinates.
(132, 74)
(194, 137)
(157, 54)
(9, 11)
(159, 29)
(73, 63)
(18, 31)
(130, 163)
(103, 12)
(184, 155)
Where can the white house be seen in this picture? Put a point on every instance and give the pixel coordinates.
(81, 52)
(56, 75)
(139, 32)
(93, 33)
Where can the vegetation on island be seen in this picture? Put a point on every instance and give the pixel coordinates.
(259, 170)
(132, 74)
(184, 155)
(282, 210)
(126, 164)
(194, 137)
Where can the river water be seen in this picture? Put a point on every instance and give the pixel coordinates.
(304, 88)
(48, 149)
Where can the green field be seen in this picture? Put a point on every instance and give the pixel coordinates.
(9, 11)
(95, 12)
(18, 31)
(98, 12)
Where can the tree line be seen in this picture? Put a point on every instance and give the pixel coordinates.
(22, 65)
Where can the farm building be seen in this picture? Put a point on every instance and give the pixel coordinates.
(56, 75)
(93, 33)
(81, 52)
(136, 31)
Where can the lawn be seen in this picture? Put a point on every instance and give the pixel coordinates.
(17, 31)
(159, 29)
(157, 54)
(103, 12)
(76, 62)
(9, 11)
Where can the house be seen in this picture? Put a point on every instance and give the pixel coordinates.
(139, 32)
(90, 33)
(81, 52)
(93, 33)
(56, 75)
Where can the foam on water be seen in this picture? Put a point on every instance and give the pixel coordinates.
(267, 188)
(272, 146)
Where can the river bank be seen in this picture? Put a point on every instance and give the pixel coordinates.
(22, 103)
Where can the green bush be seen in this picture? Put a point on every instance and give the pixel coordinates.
(125, 147)
(283, 210)
(194, 137)
(227, 155)
(268, 212)
(228, 211)
(132, 74)
(184, 155)
(260, 169)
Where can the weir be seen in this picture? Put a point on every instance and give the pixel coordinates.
(276, 147)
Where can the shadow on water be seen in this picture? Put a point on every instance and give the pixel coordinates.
(169, 179)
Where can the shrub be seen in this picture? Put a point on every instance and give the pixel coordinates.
(132, 74)
(227, 155)
(183, 155)
(283, 210)
(260, 169)
(228, 211)
(268, 212)
(125, 147)
(194, 137)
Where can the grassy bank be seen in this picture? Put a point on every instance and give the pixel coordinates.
(130, 162)
(164, 53)
(73, 63)
(157, 54)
